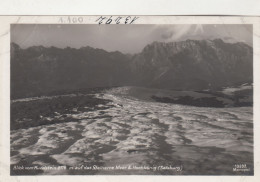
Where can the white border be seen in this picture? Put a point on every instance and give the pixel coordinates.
(5, 97)
(130, 7)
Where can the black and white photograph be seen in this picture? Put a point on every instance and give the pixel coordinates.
(135, 99)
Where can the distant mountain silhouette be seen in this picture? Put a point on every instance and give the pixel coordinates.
(38, 70)
(186, 65)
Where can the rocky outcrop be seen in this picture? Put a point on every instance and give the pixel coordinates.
(193, 64)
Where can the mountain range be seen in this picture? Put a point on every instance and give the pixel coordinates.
(185, 65)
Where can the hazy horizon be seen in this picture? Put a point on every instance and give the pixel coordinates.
(128, 39)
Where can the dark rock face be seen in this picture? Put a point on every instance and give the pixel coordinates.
(186, 65)
(194, 64)
(38, 70)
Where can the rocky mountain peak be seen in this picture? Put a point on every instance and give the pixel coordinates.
(184, 65)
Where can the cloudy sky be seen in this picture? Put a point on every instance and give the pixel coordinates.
(123, 38)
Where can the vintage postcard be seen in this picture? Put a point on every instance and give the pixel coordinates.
(130, 95)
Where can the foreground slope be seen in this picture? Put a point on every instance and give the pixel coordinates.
(117, 129)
